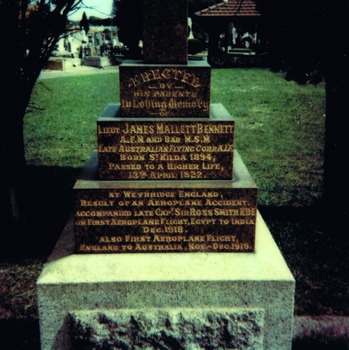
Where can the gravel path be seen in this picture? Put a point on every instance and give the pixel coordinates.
(78, 70)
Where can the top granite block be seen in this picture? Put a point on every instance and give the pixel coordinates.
(165, 90)
(165, 33)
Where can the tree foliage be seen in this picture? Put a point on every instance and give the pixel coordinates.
(31, 29)
(306, 39)
(309, 41)
(84, 23)
(98, 21)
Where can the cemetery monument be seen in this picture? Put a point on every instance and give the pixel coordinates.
(167, 249)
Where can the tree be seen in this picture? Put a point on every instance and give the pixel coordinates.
(30, 31)
(84, 23)
(309, 41)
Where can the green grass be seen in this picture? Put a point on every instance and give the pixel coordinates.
(279, 127)
(279, 132)
(64, 132)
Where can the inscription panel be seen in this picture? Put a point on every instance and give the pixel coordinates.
(165, 90)
(143, 220)
(165, 150)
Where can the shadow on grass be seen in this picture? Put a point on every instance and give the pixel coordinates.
(25, 335)
(317, 258)
(316, 255)
(317, 342)
(20, 334)
(49, 206)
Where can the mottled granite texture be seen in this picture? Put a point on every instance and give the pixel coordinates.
(174, 329)
(165, 149)
(164, 90)
(165, 33)
(165, 216)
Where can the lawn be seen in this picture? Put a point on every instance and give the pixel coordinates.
(279, 134)
(279, 127)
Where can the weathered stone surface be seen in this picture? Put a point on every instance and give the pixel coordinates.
(165, 216)
(165, 34)
(261, 280)
(159, 90)
(162, 149)
(168, 329)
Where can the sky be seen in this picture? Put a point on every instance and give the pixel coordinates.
(101, 8)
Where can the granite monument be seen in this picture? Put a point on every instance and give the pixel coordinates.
(167, 248)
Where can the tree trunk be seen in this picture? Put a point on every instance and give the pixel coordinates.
(336, 189)
(14, 179)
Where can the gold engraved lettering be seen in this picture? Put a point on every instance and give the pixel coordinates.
(231, 246)
(100, 203)
(193, 212)
(133, 239)
(149, 221)
(97, 222)
(146, 76)
(173, 203)
(245, 221)
(172, 157)
(208, 194)
(186, 77)
(196, 139)
(134, 81)
(97, 248)
(107, 149)
(225, 212)
(147, 229)
(174, 139)
(214, 149)
(156, 175)
(132, 139)
(181, 166)
(153, 139)
(111, 239)
(197, 246)
(166, 74)
(166, 238)
(107, 130)
(144, 213)
(158, 247)
(116, 166)
(224, 238)
(247, 212)
(225, 202)
(177, 74)
(140, 157)
(204, 221)
(156, 74)
(102, 213)
(141, 93)
(138, 129)
(207, 166)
